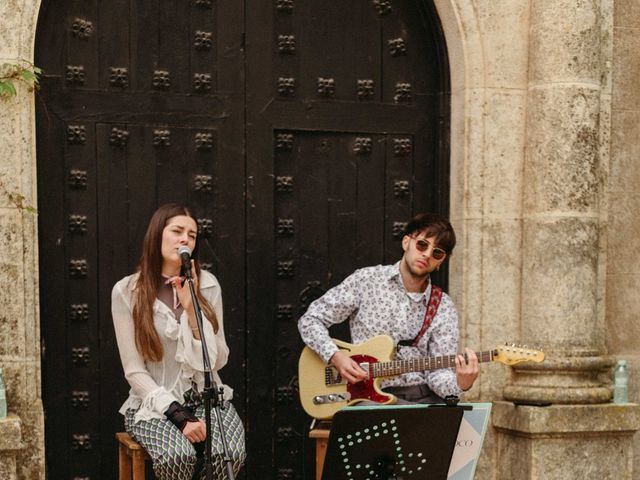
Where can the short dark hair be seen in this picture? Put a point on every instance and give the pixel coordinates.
(433, 225)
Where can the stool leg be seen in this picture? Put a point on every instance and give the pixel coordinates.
(124, 464)
(321, 451)
(138, 465)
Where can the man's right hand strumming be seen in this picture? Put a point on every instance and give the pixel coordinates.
(348, 368)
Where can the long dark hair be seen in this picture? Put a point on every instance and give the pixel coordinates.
(150, 281)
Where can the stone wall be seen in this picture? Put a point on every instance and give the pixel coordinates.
(531, 127)
(536, 86)
(623, 197)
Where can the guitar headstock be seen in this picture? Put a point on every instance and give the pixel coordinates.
(513, 354)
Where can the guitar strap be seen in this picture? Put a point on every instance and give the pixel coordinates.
(432, 309)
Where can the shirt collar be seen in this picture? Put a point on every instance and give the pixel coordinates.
(393, 271)
(393, 274)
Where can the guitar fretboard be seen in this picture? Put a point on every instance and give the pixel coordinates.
(398, 367)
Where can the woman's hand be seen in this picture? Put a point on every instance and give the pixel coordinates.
(194, 431)
(183, 291)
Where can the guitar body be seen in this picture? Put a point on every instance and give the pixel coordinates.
(313, 385)
(323, 392)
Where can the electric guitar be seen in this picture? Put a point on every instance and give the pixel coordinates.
(323, 392)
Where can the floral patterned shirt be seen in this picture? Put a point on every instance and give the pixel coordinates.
(375, 302)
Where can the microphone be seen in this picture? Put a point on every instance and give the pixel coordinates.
(184, 253)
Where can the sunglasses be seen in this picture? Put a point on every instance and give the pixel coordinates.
(423, 245)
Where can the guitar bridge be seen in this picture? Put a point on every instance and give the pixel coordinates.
(331, 398)
(332, 377)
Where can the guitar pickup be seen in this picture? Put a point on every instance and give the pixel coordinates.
(331, 398)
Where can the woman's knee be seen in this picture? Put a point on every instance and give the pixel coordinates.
(175, 465)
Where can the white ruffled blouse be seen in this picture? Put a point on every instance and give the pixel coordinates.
(155, 385)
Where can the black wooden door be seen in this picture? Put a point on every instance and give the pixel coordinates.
(142, 104)
(347, 121)
(302, 133)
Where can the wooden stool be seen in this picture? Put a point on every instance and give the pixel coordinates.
(321, 434)
(131, 457)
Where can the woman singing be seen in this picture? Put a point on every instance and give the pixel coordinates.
(161, 352)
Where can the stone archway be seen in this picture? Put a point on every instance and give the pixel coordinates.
(22, 451)
(21, 355)
(464, 93)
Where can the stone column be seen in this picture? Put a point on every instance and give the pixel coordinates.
(567, 127)
(561, 225)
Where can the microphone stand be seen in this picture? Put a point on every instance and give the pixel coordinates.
(211, 392)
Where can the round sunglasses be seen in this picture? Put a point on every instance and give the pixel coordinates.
(423, 245)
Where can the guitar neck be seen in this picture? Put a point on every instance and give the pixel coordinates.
(398, 367)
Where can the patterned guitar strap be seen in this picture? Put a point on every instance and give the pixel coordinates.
(432, 309)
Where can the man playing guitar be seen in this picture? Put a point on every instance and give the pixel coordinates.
(400, 301)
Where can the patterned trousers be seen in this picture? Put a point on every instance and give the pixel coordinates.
(173, 456)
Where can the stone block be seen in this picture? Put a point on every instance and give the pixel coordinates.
(565, 42)
(606, 46)
(626, 13)
(501, 284)
(10, 150)
(10, 28)
(623, 314)
(504, 153)
(10, 433)
(12, 338)
(23, 384)
(626, 69)
(501, 270)
(506, 49)
(623, 240)
(608, 418)
(624, 172)
(470, 175)
(560, 261)
(562, 170)
(466, 270)
(32, 393)
(561, 442)
(13, 372)
(10, 445)
(30, 460)
(7, 467)
(487, 466)
(458, 155)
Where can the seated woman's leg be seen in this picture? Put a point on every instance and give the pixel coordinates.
(172, 455)
(235, 440)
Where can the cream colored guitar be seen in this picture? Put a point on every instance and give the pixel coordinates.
(323, 392)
